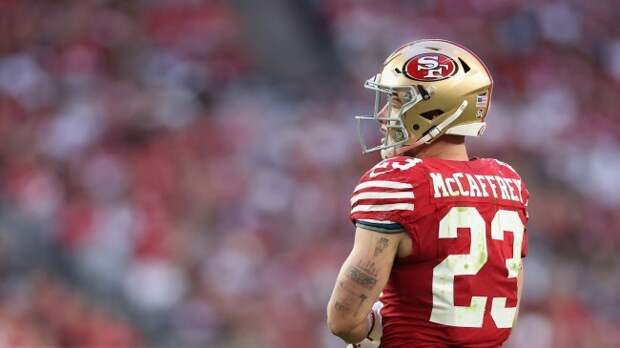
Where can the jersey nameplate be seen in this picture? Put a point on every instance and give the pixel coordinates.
(468, 185)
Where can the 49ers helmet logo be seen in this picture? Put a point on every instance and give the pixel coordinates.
(430, 67)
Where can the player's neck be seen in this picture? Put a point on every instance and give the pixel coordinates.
(447, 147)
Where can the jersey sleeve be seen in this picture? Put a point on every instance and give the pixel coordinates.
(384, 198)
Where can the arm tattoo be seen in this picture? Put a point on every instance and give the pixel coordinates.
(368, 267)
(343, 287)
(362, 296)
(346, 304)
(362, 278)
(381, 245)
(341, 307)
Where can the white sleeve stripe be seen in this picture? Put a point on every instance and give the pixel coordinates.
(382, 207)
(381, 195)
(384, 184)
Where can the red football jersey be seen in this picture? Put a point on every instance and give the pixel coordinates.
(467, 221)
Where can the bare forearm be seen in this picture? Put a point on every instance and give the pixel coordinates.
(360, 281)
(348, 311)
(353, 296)
(350, 304)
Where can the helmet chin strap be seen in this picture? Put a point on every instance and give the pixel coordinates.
(387, 153)
(430, 135)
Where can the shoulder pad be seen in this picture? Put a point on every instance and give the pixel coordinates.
(506, 165)
(385, 193)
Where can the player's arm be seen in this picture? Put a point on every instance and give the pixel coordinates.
(519, 292)
(360, 281)
(520, 275)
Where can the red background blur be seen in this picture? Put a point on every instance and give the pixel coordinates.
(177, 173)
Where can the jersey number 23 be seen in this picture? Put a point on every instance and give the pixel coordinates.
(444, 311)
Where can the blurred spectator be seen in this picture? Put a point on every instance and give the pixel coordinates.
(159, 188)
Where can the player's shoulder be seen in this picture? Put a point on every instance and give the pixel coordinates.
(509, 171)
(502, 167)
(505, 170)
(385, 196)
(397, 169)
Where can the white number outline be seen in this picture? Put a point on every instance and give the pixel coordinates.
(396, 164)
(444, 311)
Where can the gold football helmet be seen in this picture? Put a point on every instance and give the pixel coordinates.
(428, 88)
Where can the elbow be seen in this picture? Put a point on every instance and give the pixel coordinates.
(341, 327)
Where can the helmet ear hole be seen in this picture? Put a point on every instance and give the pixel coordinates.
(466, 67)
(430, 115)
(416, 126)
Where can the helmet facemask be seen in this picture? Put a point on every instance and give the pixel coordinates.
(391, 105)
(396, 139)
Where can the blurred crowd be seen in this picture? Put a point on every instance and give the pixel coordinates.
(158, 188)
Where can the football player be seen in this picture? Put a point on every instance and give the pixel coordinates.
(440, 236)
